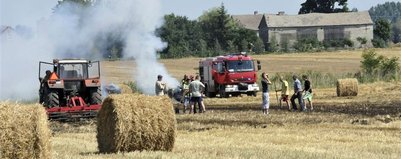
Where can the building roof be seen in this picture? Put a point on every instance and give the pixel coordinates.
(250, 21)
(318, 19)
(6, 29)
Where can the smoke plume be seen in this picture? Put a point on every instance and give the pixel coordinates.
(74, 31)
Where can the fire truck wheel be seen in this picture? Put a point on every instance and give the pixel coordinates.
(252, 94)
(96, 97)
(224, 94)
(209, 94)
(53, 100)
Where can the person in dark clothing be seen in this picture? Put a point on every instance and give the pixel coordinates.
(307, 91)
(265, 90)
(297, 94)
(43, 89)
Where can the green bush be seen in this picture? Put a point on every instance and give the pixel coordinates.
(379, 43)
(338, 43)
(348, 42)
(285, 46)
(361, 40)
(305, 45)
(258, 46)
(273, 45)
(378, 67)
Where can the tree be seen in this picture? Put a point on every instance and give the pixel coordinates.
(382, 30)
(243, 37)
(396, 31)
(214, 33)
(389, 10)
(217, 25)
(323, 6)
(76, 7)
(370, 63)
(258, 46)
(182, 36)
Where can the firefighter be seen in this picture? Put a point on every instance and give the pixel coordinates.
(185, 92)
(285, 92)
(265, 90)
(195, 88)
(308, 92)
(160, 86)
(43, 87)
(297, 94)
(47, 76)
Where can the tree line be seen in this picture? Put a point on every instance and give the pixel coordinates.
(215, 32)
(387, 18)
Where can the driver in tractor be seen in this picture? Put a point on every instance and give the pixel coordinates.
(47, 76)
(43, 82)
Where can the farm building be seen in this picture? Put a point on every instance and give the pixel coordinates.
(250, 21)
(6, 32)
(281, 28)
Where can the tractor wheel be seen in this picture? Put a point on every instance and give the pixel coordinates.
(53, 100)
(96, 96)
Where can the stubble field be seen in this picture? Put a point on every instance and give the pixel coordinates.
(366, 126)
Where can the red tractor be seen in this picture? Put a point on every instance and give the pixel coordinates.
(227, 75)
(70, 88)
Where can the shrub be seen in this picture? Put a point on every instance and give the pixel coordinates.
(305, 45)
(348, 42)
(370, 63)
(377, 67)
(361, 40)
(273, 45)
(258, 46)
(285, 46)
(379, 43)
(338, 43)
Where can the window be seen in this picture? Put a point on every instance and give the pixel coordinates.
(334, 33)
(73, 71)
(240, 66)
(306, 33)
(286, 37)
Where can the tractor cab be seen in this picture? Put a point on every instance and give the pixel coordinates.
(68, 80)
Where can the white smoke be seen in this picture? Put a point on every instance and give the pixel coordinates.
(68, 34)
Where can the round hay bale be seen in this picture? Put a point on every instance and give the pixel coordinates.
(347, 87)
(24, 131)
(125, 89)
(131, 122)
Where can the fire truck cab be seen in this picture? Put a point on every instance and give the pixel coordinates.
(227, 75)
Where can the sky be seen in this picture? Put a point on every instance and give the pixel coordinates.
(38, 9)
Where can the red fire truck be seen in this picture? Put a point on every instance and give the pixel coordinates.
(227, 75)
